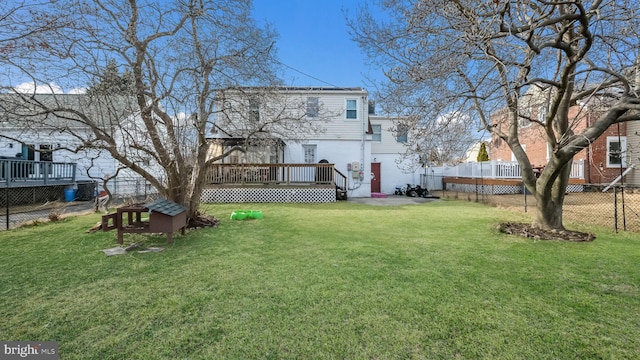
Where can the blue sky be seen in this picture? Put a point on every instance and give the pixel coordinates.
(314, 40)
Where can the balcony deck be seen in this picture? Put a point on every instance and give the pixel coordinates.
(27, 173)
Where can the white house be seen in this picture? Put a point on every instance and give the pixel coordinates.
(26, 133)
(285, 125)
(343, 130)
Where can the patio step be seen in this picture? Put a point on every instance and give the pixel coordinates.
(378, 195)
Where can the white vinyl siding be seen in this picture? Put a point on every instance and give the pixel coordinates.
(337, 126)
(387, 143)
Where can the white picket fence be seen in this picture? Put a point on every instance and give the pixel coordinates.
(433, 176)
(497, 170)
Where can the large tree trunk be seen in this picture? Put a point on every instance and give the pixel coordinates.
(185, 190)
(549, 193)
(548, 214)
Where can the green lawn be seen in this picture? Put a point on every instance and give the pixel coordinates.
(325, 281)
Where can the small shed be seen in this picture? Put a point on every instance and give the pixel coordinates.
(164, 217)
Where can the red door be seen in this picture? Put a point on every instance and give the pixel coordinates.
(375, 180)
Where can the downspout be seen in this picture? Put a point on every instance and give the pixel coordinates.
(363, 116)
(364, 127)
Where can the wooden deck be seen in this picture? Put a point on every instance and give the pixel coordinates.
(274, 183)
(314, 175)
(26, 173)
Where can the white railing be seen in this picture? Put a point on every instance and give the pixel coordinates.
(498, 170)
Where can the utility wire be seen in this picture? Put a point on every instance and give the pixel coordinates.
(305, 74)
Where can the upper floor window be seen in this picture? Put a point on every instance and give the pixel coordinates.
(254, 110)
(616, 151)
(402, 134)
(352, 109)
(377, 132)
(542, 113)
(312, 107)
(524, 117)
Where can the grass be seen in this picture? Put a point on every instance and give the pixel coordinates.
(325, 281)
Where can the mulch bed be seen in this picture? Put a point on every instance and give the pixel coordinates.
(528, 231)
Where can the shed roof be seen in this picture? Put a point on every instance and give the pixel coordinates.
(165, 207)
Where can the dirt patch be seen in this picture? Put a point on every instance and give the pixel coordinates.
(528, 231)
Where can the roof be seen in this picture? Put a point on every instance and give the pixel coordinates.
(61, 110)
(165, 207)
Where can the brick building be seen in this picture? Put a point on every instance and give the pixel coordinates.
(604, 159)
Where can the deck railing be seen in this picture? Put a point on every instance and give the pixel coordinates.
(275, 174)
(20, 172)
(500, 170)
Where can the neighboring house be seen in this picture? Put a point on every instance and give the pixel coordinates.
(341, 129)
(27, 135)
(604, 159)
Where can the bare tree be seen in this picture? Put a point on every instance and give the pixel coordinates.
(485, 58)
(178, 54)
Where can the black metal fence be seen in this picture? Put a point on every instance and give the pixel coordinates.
(617, 208)
(27, 204)
(20, 205)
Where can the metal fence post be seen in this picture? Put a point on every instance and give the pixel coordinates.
(615, 209)
(624, 213)
(6, 200)
(476, 189)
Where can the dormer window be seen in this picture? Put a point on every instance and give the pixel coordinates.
(352, 109)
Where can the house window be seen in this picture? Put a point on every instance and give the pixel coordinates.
(542, 113)
(352, 109)
(402, 134)
(45, 152)
(377, 133)
(254, 110)
(616, 151)
(309, 153)
(524, 117)
(312, 107)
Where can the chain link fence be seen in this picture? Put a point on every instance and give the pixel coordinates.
(617, 208)
(28, 204)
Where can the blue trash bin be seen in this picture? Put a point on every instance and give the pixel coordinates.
(69, 195)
